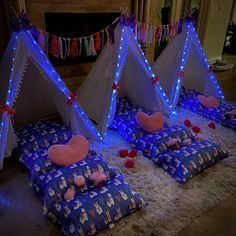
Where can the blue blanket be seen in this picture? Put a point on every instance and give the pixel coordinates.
(92, 209)
(155, 146)
(188, 99)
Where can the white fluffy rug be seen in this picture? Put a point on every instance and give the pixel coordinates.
(172, 206)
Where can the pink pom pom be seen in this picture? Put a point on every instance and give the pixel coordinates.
(79, 180)
(98, 177)
(70, 193)
(187, 142)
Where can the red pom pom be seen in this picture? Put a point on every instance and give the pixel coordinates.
(212, 125)
(187, 123)
(133, 153)
(123, 153)
(196, 129)
(130, 163)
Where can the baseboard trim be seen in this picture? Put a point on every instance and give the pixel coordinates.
(212, 60)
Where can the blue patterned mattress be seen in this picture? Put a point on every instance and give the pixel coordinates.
(40, 135)
(188, 99)
(92, 209)
(154, 146)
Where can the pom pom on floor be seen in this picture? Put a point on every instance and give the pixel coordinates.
(130, 164)
(196, 129)
(212, 125)
(133, 153)
(187, 123)
(123, 153)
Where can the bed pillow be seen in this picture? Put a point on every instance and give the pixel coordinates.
(56, 183)
(150, 123)
(94, 211)
(209, 102)
(66, 154)
(41, 135)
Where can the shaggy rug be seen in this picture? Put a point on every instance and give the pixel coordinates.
(172, 206)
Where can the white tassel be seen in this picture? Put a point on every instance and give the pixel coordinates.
(92, 47)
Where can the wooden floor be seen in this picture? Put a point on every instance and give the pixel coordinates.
(227, 79)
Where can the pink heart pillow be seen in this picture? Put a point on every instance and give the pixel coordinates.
(66, 154)
(209, 102)
(151, 123)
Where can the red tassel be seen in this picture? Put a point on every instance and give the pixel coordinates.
(74, 48)
(97, 41)
(55, 49)
(157, 34)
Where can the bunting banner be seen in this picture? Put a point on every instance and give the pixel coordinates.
(91, 45)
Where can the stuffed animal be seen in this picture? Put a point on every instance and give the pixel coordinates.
(70, 193)
(173, 144)
(79, 180)
(98, 178)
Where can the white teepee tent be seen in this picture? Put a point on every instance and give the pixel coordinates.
(30, 84)
(121, 63)
(183, 62)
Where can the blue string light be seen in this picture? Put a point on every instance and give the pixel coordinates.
(57, 81)
(119, 67)
(9, 101)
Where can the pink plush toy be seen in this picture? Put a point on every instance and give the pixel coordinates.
(98, 177)
(79, 181)
(209, 102)
(198, 138)
(173, 143)
(75, 150)
(151, 123)
(70, 193)
(187, 142)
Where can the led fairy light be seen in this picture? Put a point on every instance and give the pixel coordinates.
(176, 91)
(119, 67)
(9, 102)
(60, 84)
(204, 59)
(152, 76)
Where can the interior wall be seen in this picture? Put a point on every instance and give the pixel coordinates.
(3, 30)
(214, 23)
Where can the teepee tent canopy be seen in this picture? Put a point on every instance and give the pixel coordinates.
(183, 63)
(30, 84)
(121, 67)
